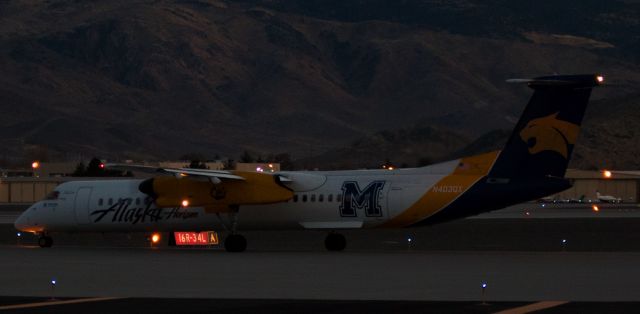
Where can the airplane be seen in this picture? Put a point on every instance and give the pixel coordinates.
(531, 165)
(608, 198)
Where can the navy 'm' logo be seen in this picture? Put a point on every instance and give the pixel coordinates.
(353, 199)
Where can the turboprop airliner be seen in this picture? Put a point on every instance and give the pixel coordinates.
(532, 165)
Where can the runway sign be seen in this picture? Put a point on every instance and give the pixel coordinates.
(196, 238)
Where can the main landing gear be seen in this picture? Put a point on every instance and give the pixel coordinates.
(335, 242)
(234, 242)
(45, 241)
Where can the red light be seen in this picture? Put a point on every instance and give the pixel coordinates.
(101, 166)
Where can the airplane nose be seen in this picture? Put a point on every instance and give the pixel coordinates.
(23, 221)
(20, 222)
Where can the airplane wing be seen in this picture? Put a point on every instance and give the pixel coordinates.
(215, 190)
(219, 174)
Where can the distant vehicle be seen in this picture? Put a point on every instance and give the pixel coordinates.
(531, 165)
(608, 198)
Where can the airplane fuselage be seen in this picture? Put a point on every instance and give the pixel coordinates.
(322, 200)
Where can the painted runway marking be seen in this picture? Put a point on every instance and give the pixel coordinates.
(50, 303)
(533, 307)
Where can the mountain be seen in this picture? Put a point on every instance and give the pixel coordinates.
(413, 146)
(159, 79)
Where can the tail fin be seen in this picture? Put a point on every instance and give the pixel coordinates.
(542, 142)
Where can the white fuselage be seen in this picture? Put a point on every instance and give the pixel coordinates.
(322, 200)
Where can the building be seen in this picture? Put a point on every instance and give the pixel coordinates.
(621, 184)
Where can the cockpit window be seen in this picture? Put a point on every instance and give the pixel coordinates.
(53, 195)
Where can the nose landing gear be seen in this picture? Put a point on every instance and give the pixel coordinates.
(45, 241)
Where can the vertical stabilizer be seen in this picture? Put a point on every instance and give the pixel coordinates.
(543, 140)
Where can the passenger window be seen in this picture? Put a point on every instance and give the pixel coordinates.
(321, 198)
(304, 198)
(110, 201)
(313, 197)
(330, 198)
(100, 202)
(295, 197)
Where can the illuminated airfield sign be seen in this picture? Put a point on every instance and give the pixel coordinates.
(196, 238)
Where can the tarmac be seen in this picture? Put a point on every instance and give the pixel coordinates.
(556, 265)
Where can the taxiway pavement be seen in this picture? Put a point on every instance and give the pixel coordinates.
(349, 275)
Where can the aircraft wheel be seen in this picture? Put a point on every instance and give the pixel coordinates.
(335, 242)
(235, 243)
(45, 241)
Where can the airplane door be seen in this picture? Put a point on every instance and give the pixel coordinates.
(83, 195)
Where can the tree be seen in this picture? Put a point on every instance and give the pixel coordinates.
(197, 164)
(80, 170)
(95, 168)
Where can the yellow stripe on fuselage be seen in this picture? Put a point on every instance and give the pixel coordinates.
(445, 191)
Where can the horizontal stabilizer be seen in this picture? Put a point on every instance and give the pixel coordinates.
(589, 80)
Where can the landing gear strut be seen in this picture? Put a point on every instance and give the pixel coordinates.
(45, 241)
(335, 242)
(234, 242)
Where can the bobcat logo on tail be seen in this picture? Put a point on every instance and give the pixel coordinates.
(550, 134)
